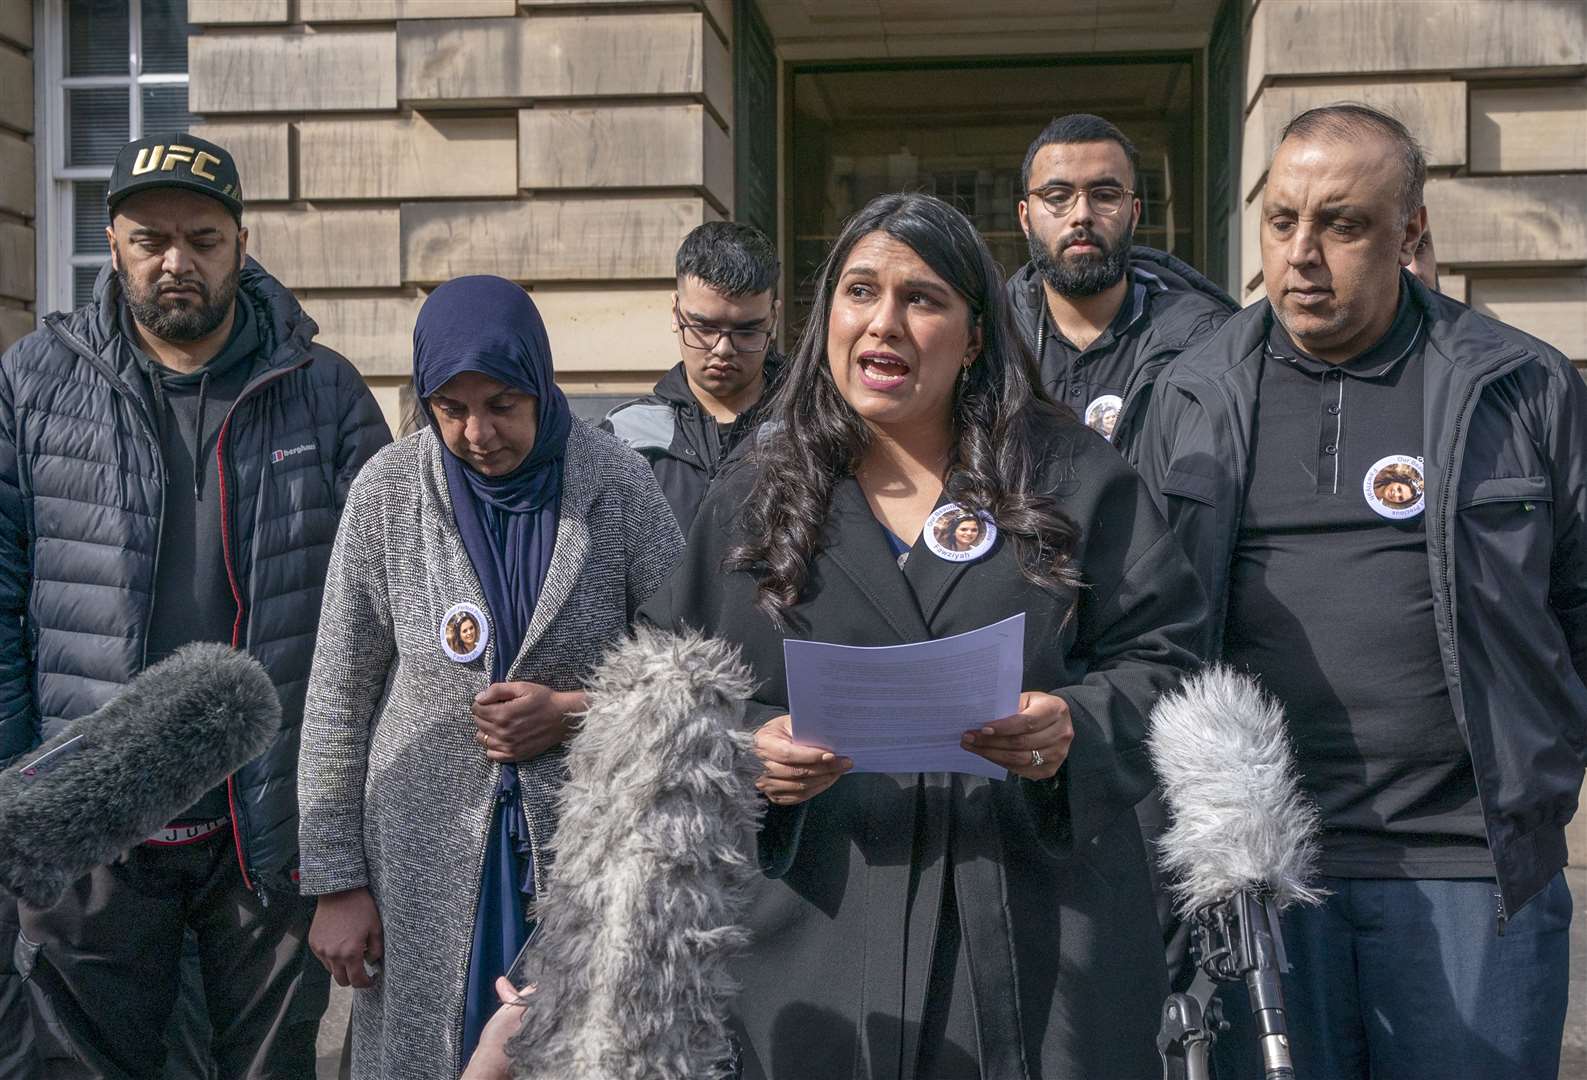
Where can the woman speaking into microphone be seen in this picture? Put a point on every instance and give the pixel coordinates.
(943, 924)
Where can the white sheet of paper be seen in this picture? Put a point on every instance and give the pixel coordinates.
(903, 708)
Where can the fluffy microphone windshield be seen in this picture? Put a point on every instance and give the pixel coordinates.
(655, 852)
(111, 779)
(1240, 821)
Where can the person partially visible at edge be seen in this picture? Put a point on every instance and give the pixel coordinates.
(724, 314)
(1103, 315)
(429, 781)
(943, 924)
(1431, 656)
(1424, 261)
(174, 457)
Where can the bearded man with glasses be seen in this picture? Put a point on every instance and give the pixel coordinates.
(1103, 316)
(725, 317)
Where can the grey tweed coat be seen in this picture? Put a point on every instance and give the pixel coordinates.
(395, 794)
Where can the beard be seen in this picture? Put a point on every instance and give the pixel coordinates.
(1087, 275)
(181, 322)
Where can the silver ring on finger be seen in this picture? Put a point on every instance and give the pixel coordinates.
(1036, 760)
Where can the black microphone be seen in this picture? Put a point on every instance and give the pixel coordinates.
(1242, 844)
(113, 778)
(655, 856)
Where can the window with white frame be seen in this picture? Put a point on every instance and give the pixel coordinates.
(111, 71)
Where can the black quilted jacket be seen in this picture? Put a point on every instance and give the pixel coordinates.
(81, 499)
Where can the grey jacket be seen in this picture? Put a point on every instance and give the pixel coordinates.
(1505, 427)
(395, 793)
(81, 503)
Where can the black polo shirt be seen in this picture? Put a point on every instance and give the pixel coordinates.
(1331, 605)
(1084, 379)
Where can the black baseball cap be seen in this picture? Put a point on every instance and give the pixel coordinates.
(176, 159)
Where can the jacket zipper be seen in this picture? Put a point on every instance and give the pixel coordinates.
(1451, 481)
(236, 593)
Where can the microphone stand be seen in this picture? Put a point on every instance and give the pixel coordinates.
(1236, 939)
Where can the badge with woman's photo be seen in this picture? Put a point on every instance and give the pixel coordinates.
(959, 535)
(1394, 487)
(464, 632)
(1102, 415)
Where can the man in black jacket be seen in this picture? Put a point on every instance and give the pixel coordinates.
(1103, 317)
(725, 315)
(174, 457)
(1385, 495)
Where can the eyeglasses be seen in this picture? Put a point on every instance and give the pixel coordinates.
(705, 338)
(1105, 199)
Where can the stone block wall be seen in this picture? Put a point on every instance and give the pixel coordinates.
(388, 145)
(18, 176)
(1496, 90)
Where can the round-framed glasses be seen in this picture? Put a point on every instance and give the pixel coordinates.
(1104, 199)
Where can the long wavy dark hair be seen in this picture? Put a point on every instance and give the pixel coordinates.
(1004, 425)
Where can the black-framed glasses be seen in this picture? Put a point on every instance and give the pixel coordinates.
(705, 338)
(1105, 199)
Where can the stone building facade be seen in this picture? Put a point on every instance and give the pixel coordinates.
(388, 145)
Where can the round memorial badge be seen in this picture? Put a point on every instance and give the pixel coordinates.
(1102, 415)
(1393, 487)
(959, 535)
(464, 632)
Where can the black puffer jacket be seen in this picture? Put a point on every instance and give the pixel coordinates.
(1183, 308)
(81, 500)
(1505, 451)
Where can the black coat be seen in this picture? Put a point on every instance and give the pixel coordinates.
(1504, 420)
(81, 503)
(1065, 966)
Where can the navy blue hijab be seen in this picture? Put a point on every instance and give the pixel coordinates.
(508, 523)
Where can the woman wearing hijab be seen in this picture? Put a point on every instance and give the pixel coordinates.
(944, 925)
(428, 774)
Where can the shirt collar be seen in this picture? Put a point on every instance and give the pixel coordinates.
(1130, 312)
(1379, 359)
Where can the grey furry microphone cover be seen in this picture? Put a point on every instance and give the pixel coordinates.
(110, 780)
(655, 854)
(1240, 819)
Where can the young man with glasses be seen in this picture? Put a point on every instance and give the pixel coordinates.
(725, 316)
(1103, 316)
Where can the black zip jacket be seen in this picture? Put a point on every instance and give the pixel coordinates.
(679, 438)
(1505, 466)
(82, 495)
(1183, 308)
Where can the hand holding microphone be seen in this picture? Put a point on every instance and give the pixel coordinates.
(1241, 848)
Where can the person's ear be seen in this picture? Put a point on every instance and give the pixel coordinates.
(242, 243)
(1024, 217)
(1135, 212)
(673, 314)
(1414, 228)
(115, 252)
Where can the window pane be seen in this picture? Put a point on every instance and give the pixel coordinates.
(89, 217)
(165, 110)
(96, 125)
(98, 38)
(165, 33)
(83, 284)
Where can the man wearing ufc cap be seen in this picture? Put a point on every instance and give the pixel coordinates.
(174, 457)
